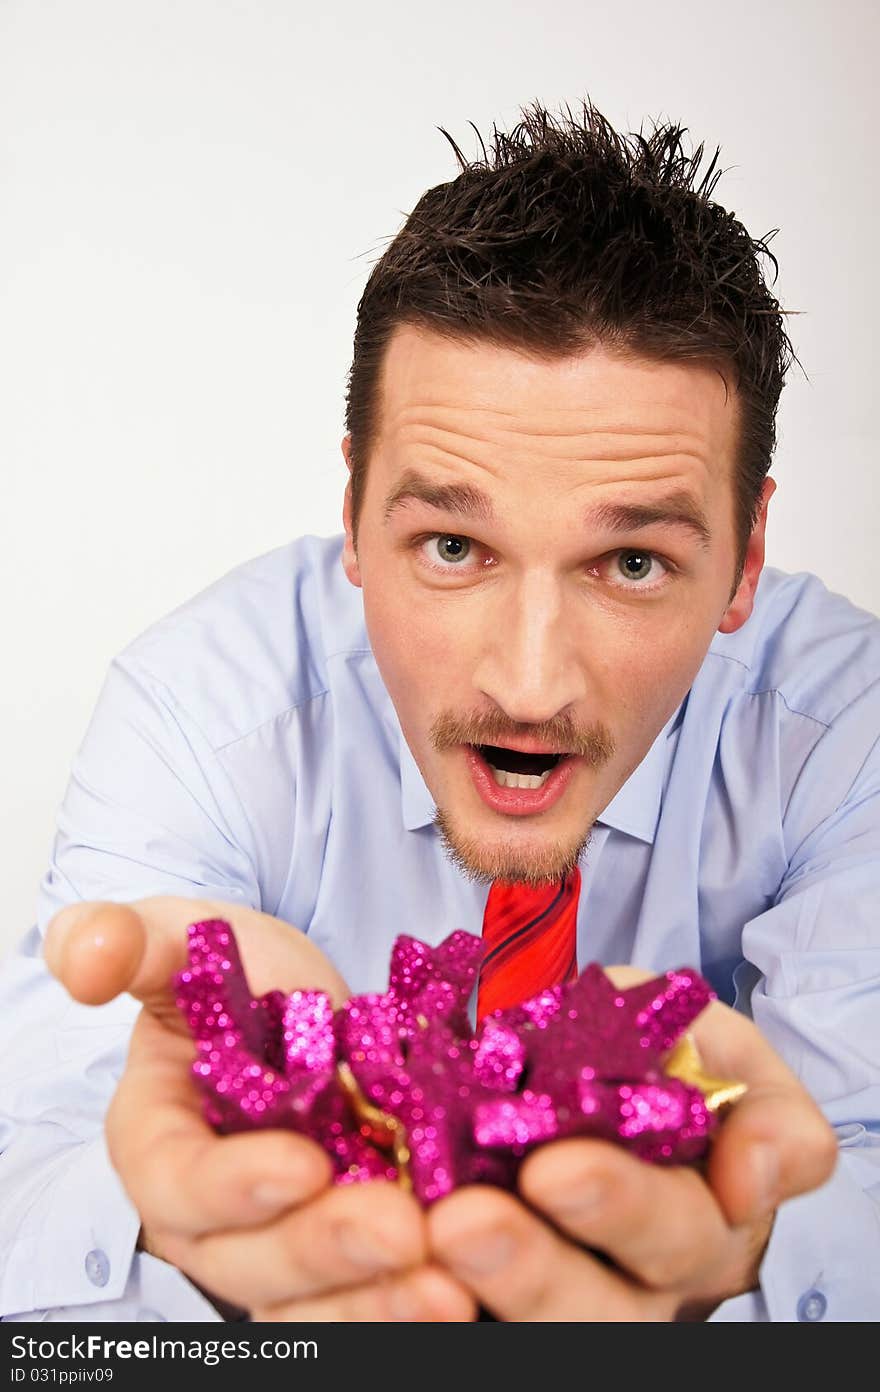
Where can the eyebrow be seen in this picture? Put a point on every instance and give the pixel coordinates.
(677, 509)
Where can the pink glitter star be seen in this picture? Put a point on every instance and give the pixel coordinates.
(397, 1084)
(269, 1061)
(594, 1056)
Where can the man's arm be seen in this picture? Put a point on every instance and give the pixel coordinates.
(252, 1218)
(813, 989)
(147, 811)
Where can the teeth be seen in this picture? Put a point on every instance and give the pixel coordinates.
(519, 780)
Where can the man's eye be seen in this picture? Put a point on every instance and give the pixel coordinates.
(631, 568)
(635, 565)
(450, 547)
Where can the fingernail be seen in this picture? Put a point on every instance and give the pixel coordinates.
(486, 1255)
(365, 1248)
(765, 1168)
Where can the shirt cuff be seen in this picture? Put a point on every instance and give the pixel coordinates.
(155, 1291)
(823, 1258)
(74, 1241)
(74, 1258)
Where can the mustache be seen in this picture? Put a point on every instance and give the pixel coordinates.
(594, 744)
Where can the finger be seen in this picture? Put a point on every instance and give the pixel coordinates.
(96, 949)
(518, 1267)
(178, 1173)
(426, 1294)
(347, 1236)
(100, 949)
(775, 1143)
(662, 1225)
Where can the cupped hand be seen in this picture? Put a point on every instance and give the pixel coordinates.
(597, 1234)
(253, 1219)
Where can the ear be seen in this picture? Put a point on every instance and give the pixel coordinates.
(740, 607)
(349, 556)
(346, 451)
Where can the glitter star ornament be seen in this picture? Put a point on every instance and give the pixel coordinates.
(397, 1085)
(595, 1055)
(271, 1060)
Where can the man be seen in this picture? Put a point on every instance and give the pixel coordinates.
(545, 653)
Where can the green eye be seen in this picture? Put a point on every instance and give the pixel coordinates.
(635, 565)
(445, 540)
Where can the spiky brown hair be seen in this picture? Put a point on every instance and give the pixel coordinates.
(570, 234)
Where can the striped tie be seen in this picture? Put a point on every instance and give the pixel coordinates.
(531, 941)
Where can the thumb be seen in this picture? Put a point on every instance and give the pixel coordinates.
(99, 949)
(774, 1144)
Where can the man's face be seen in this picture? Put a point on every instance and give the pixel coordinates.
(561, 613)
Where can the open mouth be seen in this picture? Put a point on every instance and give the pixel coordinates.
(513, 769)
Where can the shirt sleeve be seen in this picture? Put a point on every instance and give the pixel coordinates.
(812, 984)
(148, 810)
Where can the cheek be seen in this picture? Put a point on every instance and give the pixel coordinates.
(419, 655)
(647, 665)
(410, 628)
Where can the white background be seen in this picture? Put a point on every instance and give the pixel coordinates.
(193, 192)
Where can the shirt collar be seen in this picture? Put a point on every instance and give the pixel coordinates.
(635, 809)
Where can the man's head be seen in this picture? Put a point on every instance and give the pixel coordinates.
(578, 347)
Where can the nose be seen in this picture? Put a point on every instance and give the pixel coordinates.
(531, 663)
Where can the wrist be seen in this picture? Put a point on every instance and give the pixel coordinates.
(224, 1308)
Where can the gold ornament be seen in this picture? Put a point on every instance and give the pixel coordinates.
(684, 1063)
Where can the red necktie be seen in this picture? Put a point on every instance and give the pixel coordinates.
(531, 941)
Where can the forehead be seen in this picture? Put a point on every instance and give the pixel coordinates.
(591, 405)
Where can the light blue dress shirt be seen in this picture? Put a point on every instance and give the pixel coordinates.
(245, 748)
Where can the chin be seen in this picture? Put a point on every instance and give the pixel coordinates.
(481, 860)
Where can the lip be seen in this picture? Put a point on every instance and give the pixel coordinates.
(519, 802)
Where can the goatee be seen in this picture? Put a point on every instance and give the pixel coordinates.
(483, 863)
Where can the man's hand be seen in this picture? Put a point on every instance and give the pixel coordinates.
(253, 1219)
(679, 1242)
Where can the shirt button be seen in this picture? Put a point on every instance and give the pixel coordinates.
(812, 1306)
(97, 1267)
(144, 1315)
